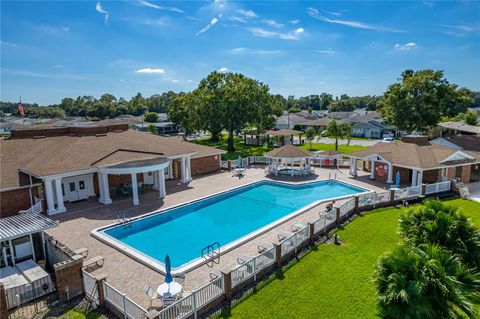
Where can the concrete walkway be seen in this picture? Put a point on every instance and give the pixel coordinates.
(474, 189)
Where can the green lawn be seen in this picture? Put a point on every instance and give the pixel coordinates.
(327, 147)
(249, 150)
(334, 281)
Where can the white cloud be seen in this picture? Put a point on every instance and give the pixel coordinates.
(238, 19)
(106, 14)
(460, 30)
(272, 23)
(247, 13)
(262, 33)
(296, 21)
(329, 51)
(8, 44)
(333, 13)
(175, 81)
(406, 46)
(155, 6)
(208, 26)
(223, 70)
(314, 13)
(53, 28)
(238, 50)
(151, 71)
(242, 50)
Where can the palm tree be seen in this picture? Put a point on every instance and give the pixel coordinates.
(444, 225)
(425, 282)
(338, 131)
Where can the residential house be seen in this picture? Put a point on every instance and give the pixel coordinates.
(162, 128)
(460, 142)
(289, 120)
(452, 128)
(373, 129)
(418, 161)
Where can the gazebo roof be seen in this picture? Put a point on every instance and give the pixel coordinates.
(283, 132)
(24, 224)
(289, 151)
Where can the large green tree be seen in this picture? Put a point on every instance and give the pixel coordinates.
(421, 98)
(338, 131)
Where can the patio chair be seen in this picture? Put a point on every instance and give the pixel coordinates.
(214, 274)
(264, 247)
(244, 259)
(282, 236)
(180, 278)
(297, 226)
(168, 301)
(151, 293)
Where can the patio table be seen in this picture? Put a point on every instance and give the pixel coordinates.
(170, 289)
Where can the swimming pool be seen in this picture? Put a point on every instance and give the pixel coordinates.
(229, 218)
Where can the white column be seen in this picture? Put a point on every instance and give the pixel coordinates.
(414, 177)
(390, 173)
(155, 180)
(49, 195)
(372, 169)
(58, 189)
(353, 166)
(134, 189)
(170, 170)
(161, 182)
(104, 189)
(420, 178)
(185, 170)
(189, 169)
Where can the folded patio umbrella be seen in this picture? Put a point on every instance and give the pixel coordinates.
(168, 270)
(397, 180)
(239, 161)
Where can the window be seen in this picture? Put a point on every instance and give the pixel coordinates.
(458, 172)
(81, 184)
(63, 190)
(166, 171)
(72, 186)
(149, 173)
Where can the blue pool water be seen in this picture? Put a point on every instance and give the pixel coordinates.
(183, 231)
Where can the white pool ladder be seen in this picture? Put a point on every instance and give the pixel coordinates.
(124, 217)
(211, 254)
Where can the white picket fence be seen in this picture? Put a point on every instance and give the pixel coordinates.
(347, 207)
(366, 200)
(190, 304)
(250, 268)
(324, 221)
(90, 287)
(254, 159)
(295, 240)
(36, 208)
(437, 187)
(127, 307)
(383, 197)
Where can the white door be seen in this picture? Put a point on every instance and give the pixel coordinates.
(71, 191)
(75, 188)
(148, 178)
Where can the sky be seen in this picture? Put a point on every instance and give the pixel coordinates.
(56, 49)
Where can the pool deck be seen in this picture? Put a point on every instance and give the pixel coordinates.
(130, 276)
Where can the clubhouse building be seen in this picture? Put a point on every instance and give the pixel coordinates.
(70, 164)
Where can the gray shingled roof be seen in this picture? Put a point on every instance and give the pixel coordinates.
(24, 224)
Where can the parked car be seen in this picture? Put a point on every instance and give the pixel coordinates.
(388, 140)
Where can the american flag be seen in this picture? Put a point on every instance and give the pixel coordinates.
(20, 110)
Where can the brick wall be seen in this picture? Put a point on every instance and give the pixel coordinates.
(404, 174)
(3, 302)
(203, 165)
(466, 173)
(431, 176)
(115, 181)
(11, 202)
(451, 173)
(68, 275)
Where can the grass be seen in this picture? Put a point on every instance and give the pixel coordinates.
(334, 281)
(250, 150)
(342, 148)
(75, 314)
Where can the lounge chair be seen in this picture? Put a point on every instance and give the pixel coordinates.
(180, 278)
(282, 236)
(168, 301)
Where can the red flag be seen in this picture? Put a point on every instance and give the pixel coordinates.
(20, 110)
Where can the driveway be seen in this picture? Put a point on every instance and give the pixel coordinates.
(328, 140)
(474, 189)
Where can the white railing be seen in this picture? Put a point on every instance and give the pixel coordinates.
(400, 193)
(260, 159)
(189, 305)
(383, 197)
(90, 287)
(437, 187)
(414, 191)
(347, 207)
(366, 199)
(128, 308)
(36, 208)
(224, 164)
(245, 162)
(295, 240)
(252, 267)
